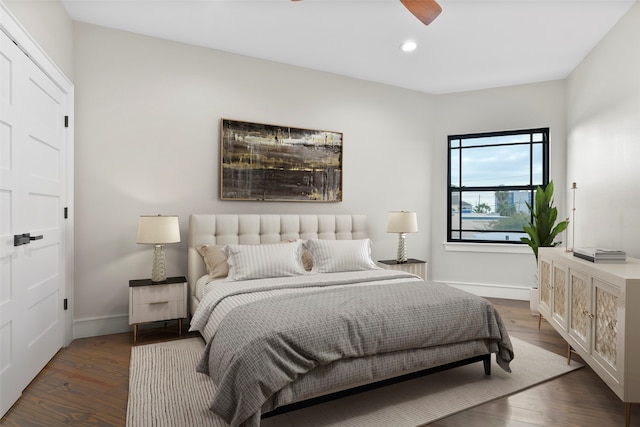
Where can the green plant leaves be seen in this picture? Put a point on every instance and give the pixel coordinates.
(543, 231)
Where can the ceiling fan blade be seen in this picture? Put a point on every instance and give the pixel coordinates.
(425, 10)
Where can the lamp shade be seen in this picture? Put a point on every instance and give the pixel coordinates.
(402, 222)
(158, 230)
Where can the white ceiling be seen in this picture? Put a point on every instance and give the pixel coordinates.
(473, 44)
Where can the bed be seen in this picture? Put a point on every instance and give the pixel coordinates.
(292, 308)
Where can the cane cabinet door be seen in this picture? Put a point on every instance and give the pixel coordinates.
(544, 286)
(605, 325)
(580, 310)
(559, 294)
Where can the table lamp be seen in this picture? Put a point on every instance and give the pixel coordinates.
(157, 231)
(402, 222)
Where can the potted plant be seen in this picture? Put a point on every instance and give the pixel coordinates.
(543, 230)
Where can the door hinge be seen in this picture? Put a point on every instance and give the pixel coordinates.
(65, 304)
(66, 121)
(66, 213)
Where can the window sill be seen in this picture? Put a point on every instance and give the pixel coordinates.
(487, 248)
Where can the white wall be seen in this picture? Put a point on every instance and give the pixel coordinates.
(147, 117)
(492, 270)
(604, 139)
(147, 142)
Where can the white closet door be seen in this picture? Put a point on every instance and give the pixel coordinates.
(32, 195)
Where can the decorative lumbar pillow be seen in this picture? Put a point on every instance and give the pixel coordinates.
(215, 260)
(332, 256)
(261, 261)
(307, 260)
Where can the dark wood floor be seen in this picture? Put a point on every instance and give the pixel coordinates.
(86, 384)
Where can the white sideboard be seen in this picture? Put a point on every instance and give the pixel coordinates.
(596, 309)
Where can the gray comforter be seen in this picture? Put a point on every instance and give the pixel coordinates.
(263, 346)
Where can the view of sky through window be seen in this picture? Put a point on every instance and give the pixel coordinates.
(495, 165)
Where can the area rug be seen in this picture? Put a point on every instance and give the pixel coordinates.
(165, 390)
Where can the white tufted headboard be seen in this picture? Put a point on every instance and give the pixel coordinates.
(253, 229)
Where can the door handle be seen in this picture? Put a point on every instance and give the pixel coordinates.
(24, 239)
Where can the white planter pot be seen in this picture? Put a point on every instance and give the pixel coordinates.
(533, 301)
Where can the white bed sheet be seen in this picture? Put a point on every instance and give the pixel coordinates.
(201, 285)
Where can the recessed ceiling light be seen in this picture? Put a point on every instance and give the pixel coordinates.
(408, 46)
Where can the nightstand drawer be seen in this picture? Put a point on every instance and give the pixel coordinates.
(157, 294)
(156, 301)
(155, 311)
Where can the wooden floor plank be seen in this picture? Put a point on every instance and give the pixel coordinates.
(86, 384)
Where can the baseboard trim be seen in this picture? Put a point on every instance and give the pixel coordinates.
(108, 325)
(105, 325)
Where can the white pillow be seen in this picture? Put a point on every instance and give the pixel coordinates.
(261, 261)
(332, 256)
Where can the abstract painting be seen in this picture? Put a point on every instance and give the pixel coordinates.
(279, 163)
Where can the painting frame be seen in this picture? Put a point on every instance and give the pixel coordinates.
(277, 163)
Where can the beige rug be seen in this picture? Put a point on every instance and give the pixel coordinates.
(165, 390)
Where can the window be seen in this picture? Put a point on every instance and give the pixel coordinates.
(491, 176)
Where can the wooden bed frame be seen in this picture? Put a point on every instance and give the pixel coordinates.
(486, 360)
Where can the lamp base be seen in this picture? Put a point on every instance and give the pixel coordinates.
(401, 257)
(158, 271)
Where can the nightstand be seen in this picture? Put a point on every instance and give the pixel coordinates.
(413, 266)
(155, 301)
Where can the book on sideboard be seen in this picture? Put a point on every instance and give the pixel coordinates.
(600, 254)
